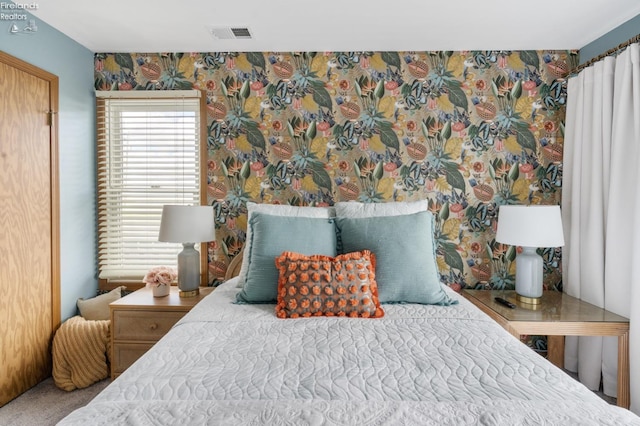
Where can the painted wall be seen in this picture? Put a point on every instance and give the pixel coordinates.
(72, 63)
(618, 35)
(468, 131)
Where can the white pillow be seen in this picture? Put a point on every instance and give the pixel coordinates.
(276, 210)
(352, 209)
(231, 282)
(97, 308)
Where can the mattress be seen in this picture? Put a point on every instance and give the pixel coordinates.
(226, 363)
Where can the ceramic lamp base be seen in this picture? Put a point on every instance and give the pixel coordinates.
(529, 269)
(188, 270)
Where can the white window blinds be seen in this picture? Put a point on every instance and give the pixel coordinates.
(148, 156)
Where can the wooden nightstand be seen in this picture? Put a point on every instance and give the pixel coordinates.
(139, 320)
(559, 315)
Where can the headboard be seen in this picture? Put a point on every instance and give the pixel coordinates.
(233, 270)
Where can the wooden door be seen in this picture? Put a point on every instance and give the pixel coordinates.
(29, 233)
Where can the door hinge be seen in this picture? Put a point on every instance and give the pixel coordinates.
(50, 117)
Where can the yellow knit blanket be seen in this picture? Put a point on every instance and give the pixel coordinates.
(80, 349)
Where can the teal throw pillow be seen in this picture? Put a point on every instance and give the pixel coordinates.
(270, 236)
(406, 269)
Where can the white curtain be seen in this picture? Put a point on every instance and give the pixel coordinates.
(601, 211)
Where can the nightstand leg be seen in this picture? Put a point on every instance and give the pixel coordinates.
(555, 350)
(624, 398)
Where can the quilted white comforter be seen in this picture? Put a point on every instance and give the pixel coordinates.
(419, 365)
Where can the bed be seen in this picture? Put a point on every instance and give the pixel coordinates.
(237, 363)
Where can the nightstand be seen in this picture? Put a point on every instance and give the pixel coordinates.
(559, 315)
(139, 320)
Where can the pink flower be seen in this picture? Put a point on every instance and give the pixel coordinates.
(458, 126)
(160, 275)
(549, 126)
(457, 209)
(343, 166)
(391, 85)
(527, 170)
(478, 167)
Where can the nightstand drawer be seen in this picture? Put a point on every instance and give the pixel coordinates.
(143, 326)
(125, 354)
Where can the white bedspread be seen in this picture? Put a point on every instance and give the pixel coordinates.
(238, 364)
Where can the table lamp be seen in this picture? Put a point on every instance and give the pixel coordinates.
(530, 227)
(187, 225)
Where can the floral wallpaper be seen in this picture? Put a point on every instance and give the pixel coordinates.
(469, 131)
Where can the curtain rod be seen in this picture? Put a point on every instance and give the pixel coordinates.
(609, 52)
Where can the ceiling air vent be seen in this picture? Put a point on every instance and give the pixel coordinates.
(230, 33)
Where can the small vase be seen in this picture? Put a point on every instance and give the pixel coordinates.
(161, 290)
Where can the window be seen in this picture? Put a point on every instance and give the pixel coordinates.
(148, 155)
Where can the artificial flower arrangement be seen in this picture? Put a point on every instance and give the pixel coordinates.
(159, 279)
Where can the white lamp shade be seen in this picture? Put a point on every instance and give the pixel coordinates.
(182, 224)
(530, 226)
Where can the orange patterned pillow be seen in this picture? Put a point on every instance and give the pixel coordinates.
(327, 286)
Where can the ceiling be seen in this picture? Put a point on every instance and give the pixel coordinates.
(336, 25)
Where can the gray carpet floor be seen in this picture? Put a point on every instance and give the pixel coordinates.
(45, 404)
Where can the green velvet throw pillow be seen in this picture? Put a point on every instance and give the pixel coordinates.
(270, 236)
(406, 269)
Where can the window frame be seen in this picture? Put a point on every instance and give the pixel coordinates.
(102, 97)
